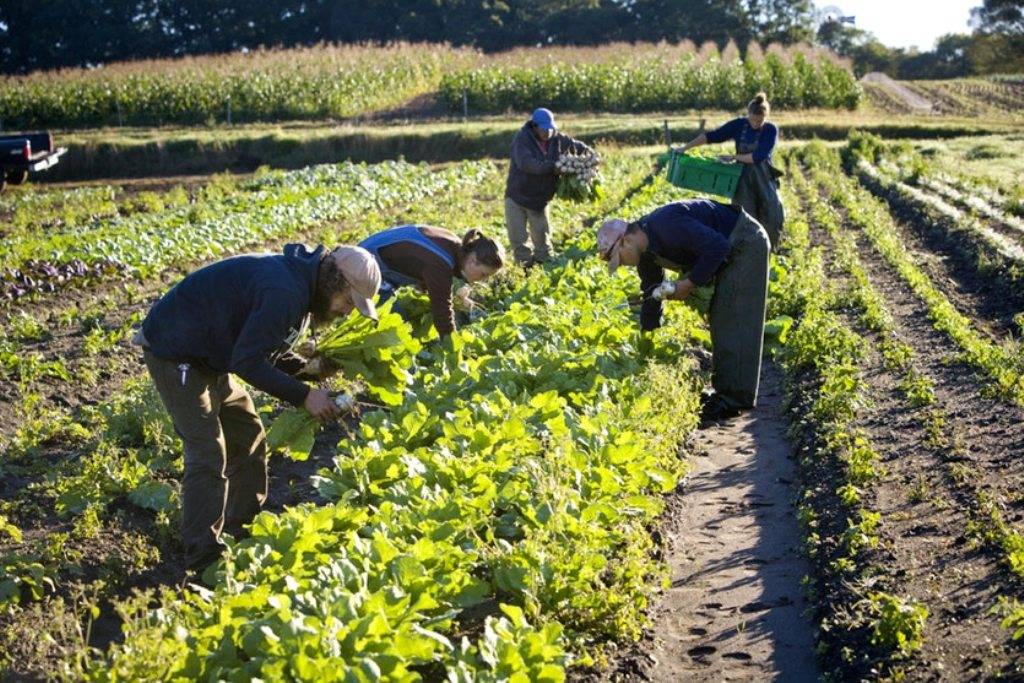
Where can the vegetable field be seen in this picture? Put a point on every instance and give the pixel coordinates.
(507, 507)
(960, 97)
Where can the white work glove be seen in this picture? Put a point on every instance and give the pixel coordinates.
(345, 402)
(663, 290)
(462, 297)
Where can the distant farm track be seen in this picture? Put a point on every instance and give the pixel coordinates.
(956, 97)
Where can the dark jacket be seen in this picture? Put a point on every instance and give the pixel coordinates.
(531, 171)
(239, 315)
(682, 236)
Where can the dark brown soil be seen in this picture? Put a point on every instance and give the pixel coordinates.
(991, 430)
(957, 263)
(929, 493)
(66, 344)
(735, 609)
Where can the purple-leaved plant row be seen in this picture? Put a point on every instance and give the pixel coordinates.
(44, 276)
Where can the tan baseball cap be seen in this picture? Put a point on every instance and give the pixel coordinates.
(609, 240)
(362, 274)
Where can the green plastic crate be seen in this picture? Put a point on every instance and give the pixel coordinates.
(704, 175)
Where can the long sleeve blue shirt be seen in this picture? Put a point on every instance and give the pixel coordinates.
(739, 131)
(690, 235)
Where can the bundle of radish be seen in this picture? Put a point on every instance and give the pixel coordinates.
(579, 180)
(377, 355)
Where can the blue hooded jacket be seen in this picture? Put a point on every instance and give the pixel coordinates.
(239, 315)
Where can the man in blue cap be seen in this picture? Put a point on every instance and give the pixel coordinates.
(532, 182)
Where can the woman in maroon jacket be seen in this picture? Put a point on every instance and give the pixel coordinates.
(431, 258)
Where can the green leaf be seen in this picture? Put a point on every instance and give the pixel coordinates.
(293, 432)
(155, 495)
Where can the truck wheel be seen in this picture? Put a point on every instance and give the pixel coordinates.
(17, 177)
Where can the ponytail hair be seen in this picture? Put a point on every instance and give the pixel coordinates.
(759, 106)
(488, 252)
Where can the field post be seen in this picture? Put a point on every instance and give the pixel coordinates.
(229, 108)
(667, 134)
(465, 106)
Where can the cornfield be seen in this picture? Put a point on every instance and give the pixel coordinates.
(269, 85)
(327, 82)
(653, 78)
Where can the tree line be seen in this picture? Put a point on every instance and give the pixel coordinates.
(47, 34)
(996, 45)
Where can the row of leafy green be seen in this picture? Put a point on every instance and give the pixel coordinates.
(653, 83)
(899, 169)
(222, 219)
(124, 449)
(918, 390)
(35, 208)
(1002, 362)
(135, 460)
(493, 524)
(825, 385)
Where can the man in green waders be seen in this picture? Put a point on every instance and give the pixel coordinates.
(712, 242)
(758, 189)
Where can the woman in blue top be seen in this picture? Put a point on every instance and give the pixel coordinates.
(430, 259)
(758, 190)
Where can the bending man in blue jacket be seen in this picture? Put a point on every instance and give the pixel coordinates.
(242, 316)
(712, 242)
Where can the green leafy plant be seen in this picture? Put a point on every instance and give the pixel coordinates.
(898, 624)
(524, 468)
(1012, 612)
(377, 354)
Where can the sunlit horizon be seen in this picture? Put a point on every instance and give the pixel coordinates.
(911, 23)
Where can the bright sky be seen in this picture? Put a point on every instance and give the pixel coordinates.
(903, 23)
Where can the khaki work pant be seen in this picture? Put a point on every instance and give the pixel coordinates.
(737, 315)
(516, 219)
(225, 480)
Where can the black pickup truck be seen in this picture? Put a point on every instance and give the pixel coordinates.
(24, 152)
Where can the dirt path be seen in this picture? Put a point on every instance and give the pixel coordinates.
(736, 610)
(913, 101)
